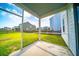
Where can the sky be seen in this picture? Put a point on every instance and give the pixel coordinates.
(10, 20)
(7, 19)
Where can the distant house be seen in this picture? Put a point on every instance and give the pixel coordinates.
(45, 28)
(28, 26)
(55, 24)
(16, 28)
(6, 28)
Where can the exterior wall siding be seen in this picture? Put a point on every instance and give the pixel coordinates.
(69, 34)
(71, 28)
(64, 34)
(55, 22)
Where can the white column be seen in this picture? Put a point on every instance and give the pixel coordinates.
(21, 27)
(39, 29)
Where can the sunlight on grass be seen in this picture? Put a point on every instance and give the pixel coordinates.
(11, 42)
(55, 39)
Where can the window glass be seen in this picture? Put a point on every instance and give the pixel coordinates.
(78, 19)
(78, 13)
(63, 26)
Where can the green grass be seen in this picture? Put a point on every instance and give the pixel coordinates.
(11, 42)
(55, 39)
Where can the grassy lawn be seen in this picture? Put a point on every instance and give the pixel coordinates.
(55, 39)
(11, 42)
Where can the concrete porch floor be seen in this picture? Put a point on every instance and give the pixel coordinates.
(41, 48)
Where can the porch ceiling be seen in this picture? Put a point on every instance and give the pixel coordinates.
(41, 10)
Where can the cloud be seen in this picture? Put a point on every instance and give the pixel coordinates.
(30, 18)
(26, 14)
(45, 21)
(3, 13)
(15, 18)
(11, 4)
(8, 9)
(11, 20)
(14, 11)
(34, 20)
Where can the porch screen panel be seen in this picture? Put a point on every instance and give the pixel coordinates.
(51, 30)
(10, 35)
(30, 29)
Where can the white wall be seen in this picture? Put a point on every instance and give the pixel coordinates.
(69, 34)
(64, 34)
(71, 29)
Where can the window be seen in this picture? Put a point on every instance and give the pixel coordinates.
(63, 26)
(78, 19)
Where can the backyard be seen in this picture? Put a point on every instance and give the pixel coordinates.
(11, 41)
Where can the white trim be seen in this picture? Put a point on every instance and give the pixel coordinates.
(39, 29)
(21, 28)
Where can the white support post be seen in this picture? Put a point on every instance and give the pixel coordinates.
(39, 29)
(21, 27)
